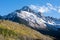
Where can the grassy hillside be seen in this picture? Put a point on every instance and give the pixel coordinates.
(14, 31)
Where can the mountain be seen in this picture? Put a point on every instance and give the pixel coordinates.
(14, 31)
(36, 20)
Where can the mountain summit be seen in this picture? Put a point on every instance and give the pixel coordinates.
(26, 8)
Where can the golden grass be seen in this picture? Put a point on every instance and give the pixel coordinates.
(21, 30)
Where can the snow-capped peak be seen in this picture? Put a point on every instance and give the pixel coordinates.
(26, 8)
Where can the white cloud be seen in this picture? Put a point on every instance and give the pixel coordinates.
(49, 4)
(51, 7)
(43, 9)
(46, 8)
(33, 7)
(59, 11)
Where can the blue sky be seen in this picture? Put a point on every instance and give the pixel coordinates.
(47, 7)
